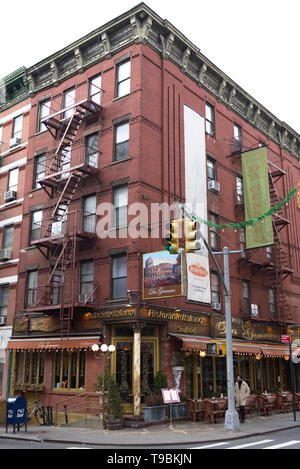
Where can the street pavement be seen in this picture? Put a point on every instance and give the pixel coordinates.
(181, 433)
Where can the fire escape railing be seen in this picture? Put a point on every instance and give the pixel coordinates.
(60, 229)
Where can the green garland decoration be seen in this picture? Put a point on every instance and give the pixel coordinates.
(246, 223)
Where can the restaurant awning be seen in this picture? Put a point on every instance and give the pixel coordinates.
(52, 344)
(192, 343)
(275, 351)
(246, 348)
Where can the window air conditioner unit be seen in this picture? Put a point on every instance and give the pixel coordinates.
(2, 320)
(216, 306)
(214, 186)
(10, 195)
(14, 141)
(5, 254)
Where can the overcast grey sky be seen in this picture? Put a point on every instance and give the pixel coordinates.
(256, 43)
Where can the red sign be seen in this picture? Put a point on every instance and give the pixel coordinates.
(286, 339)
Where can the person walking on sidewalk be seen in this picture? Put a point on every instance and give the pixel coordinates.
(242, 391)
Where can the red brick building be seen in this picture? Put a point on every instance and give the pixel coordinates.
(106, 125)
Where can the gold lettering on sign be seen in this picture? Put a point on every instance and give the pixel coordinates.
(115, 313)
(152, 313)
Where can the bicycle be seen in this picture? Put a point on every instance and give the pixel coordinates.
(38, 412)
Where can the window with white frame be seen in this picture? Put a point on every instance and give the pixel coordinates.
(272, 300)
(8, 235)
(211, 170)
(31, 288)
(119, 276)
(86, 281)
(239, 190)
(92, 150)
(215, 288)
(68, 102)
(44, 111)
(123, 78)
(17, 127)
(13, 175)
(4, 289)
(95, 89)
(237, 133)
(120, 201)
(89, 214)
(246, 297)
(39, 170)
(36, 225)
(210, 119)
(121, 141)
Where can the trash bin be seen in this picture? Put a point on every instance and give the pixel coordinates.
(16, 412)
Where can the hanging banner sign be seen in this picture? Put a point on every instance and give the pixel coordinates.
(198, 278)
(257, 197)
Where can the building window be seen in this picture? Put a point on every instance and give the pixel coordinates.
(243, 242)
(13, 176)
(31, 288)
(69, 370)
(17, 127)
(270, 254)
(8, 237)
(4, 289)
(272, 300)
(36, 225)
(39, 170)
(91, 149)
(237, 132)
(120, 201)
(86, 281)
(213, 235)
(211, 170)
(30, 368)
(44, 111)
(119, 276)
(121, 141)
(210, 119)
(95, 89)
(246, 298)
(123, 79)
(239, 190)
(68, 102)
(89, 214)
(215, 288)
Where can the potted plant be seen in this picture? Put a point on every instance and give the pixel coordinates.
(155, 410)
(115, 419)
(114, 410)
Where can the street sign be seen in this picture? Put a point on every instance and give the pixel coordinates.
(286, 339)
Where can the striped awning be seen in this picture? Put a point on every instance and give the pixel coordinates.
(52, 344)
(275, 351)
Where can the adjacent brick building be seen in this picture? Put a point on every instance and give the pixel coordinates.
(103, 122)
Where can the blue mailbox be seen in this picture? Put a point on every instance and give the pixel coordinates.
(16, 412)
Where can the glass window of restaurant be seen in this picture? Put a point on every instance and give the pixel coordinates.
(122, 364)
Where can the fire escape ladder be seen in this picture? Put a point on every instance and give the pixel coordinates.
(281, 259)
(66, 265)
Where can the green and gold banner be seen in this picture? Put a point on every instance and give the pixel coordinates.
(257, 197)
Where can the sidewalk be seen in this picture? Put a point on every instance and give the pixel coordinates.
(183, 433)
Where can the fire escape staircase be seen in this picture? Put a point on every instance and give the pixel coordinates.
(62, 179)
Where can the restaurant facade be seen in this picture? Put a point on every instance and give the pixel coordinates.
(122, 118)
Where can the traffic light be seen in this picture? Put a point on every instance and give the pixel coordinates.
(173, 237)
(215, 349)
(191, 243)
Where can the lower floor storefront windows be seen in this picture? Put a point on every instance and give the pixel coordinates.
(207, 377)
(69, 370)
(30, 368)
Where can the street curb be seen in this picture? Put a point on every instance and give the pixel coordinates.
(144, 444)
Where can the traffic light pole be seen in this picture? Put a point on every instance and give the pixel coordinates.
(232, 421)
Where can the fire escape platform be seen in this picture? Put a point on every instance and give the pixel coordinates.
(52, 180)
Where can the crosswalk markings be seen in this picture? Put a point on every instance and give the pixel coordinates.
(247, 445)
(282, 445)
(222, 443)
